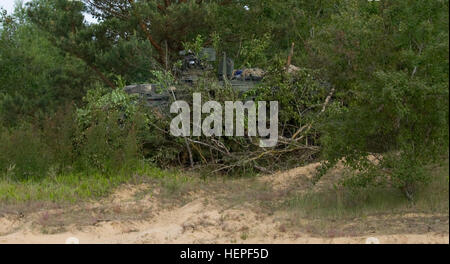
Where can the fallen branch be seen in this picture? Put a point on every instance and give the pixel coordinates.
(309, 126)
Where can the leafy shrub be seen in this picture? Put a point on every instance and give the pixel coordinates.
(59, 132)
(300, 95)
(391, 113)
(104, 137)
(108, 128)
(23, 154)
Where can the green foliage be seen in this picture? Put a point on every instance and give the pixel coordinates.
(132, 37)
(254, 51)
(103, 137)
(114, 130)
(300, 95)
(105, 48)
(23, 154)
(76, 187)
(99, 101)
(164, 79)
(194, 46)
(58, 133)
(35, 78)
(391, 71)
(108, 128)
(107, 145)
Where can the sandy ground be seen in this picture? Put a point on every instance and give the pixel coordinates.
(201, 220)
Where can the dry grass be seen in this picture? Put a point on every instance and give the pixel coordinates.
(333, 211)
(297, 206)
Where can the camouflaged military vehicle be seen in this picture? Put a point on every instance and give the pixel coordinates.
(191, 69)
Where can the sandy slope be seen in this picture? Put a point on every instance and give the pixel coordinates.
(203, 220)
(196, 223)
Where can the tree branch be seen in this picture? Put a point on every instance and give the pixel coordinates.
(144, 28)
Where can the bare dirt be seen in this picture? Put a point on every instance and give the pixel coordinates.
(137, 214)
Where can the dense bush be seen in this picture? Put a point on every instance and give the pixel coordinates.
(98, 140)
(107, 129)
(23, 154)
(35, 78)
(391, 114)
